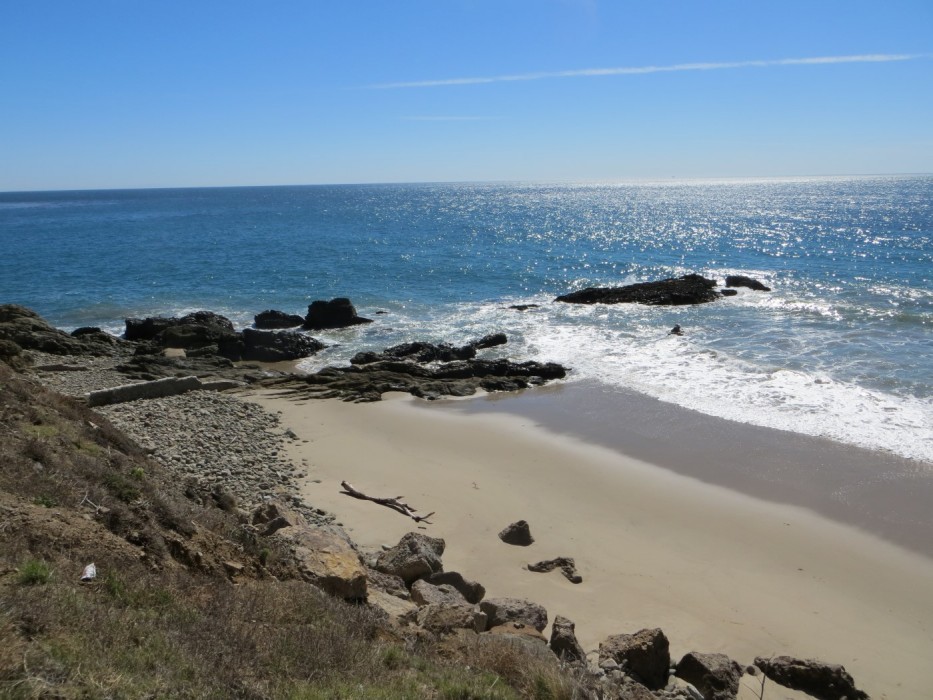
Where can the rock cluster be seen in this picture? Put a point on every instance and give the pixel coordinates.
(24, 329)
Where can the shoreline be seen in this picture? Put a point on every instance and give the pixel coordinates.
(716, 569)
(878, 492)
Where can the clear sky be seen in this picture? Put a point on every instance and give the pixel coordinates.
(157, 93)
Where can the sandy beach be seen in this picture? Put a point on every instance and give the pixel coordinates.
(715, 569)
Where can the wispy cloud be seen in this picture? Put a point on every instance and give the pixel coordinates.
(429, 118)
(643, 70)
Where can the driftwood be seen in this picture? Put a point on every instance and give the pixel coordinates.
(395, 504)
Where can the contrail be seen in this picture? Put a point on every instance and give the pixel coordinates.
(642, 70)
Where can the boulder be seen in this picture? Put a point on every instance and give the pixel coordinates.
(743, 281)
(389, 584)
(194, 330)
(336, 313)
(518, 533)
(424, 593)
(520, 632)
(567, 566)
(414, 557)
(138, 329)
(501, 611)
(442, 618)
(689, 289)
(471, 590)
(272, 516)
(564, 641)
(823, 681)
(523, 307)
(325, 560)
(645, 655)
(716, 676)
(272, 319)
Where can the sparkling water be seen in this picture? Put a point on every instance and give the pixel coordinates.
(842, 347)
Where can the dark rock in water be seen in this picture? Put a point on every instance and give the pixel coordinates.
(271, 346)
(490, 341)
(415, 556)
(823, 681)
(676, 330)
(336, 313)
(567, 566)
(193, 330)
(716, 676)
(645, 654)
(523, 307)
(518, 534)
(146, 328)
(273, 319)
(728, 292)
(743, 281)
(30, 331)
(689, 289)
(418, 352)
(564, 641)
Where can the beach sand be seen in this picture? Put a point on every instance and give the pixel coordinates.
(717, 570)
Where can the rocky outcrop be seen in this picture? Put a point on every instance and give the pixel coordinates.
(273, 319)
(415, 556)
(689, 289)
(190, 331)
(564, 641)
(270, 346)
(501, 611)
(823, 681)
(326, 560)
(716, 676)
(462, 378)
(567, 566)
(29, 331)
(416, 352)
(518, 534)
(743, 281)
(336, 313)
(471, 590)
(644, 655)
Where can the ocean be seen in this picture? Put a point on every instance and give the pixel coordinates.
(841, 348)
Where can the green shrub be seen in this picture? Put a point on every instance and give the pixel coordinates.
(34, 572)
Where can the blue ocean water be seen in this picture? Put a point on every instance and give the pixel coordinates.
(842, 346)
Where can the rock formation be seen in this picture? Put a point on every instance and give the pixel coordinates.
(336, 313)
(645, 655)
(689, 289)
(743, 281)
(716, 676)
(273, 319)
(823, 681)
(518, 533)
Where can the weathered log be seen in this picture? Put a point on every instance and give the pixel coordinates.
(395, 504)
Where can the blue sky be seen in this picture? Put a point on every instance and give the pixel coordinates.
(134, 93)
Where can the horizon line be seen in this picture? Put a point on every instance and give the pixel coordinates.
(645, 70)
